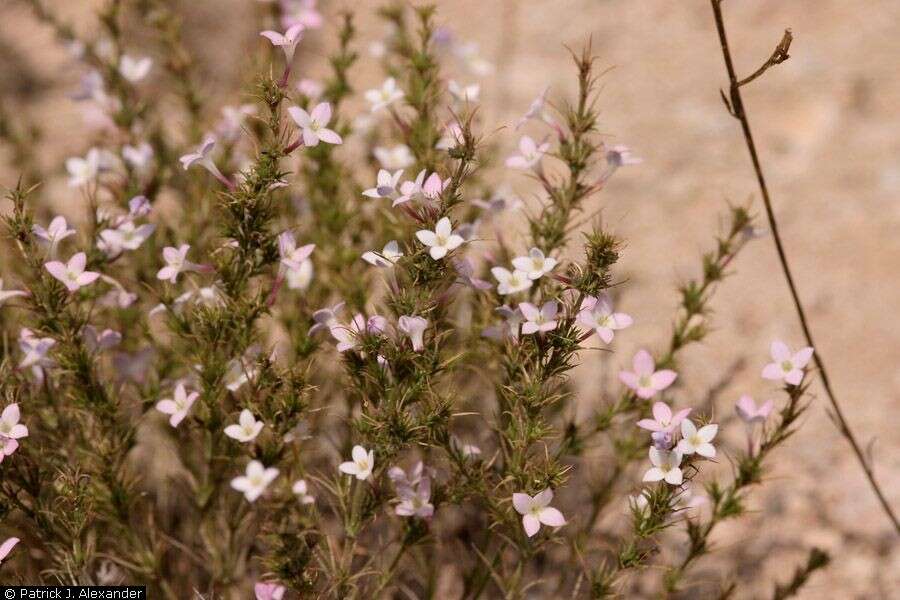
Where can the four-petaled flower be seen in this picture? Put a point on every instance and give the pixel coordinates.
(530, 154)
(179, 406)
(255, 481)
(645, 380)
(414, 327)
(362, 464)
(663, 419)
(384, 96)
(666, 465)
(440, 241)
(695, 440)
(748, 412)
(597, 314)
(536, 265)
(385, 185)
(388, 256)
(287, 41)
(125, 237)
(301, 490)
(536, 510)
(313, 125)
(83, 170)
(11, 430)
(36, 350)
(72, 274)
(539, 320)
(177, 263)
(510, 282)
(785, 365)
(246, 429)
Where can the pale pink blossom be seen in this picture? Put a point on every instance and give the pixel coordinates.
(287, 41)
(348, 335)
(203, 156)
(36, 351)
(440, 241)
(362, 464)
(539, 320)
(530, 154)
(304, 12)
(597, 314)
(536, 265)
(663, 418)
(385, 185)
(697, 441)
(246, 429)
(8, 294)
(786, 365)
(178, 406)
(388, 256)
(301, 490)
(56, 232)
(255, 480)
(666, 466)
(11, 430)
(269, 591)
(387, 94)
(396, 157)
(72, 274)
(125, 237)
(464, 93)
(411, 190)
(645, 380)
(100, 341)
(748, 411)
(177, 263)
(135, 69)
(536, 511)
(326, 318)
(139, 156)
(537, 110)
(6, 547)
(511, 282)
(311, 88)
(313, 125)
(83, 171)
(414, 328)
(292, 256)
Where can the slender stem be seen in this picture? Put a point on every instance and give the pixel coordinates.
(737, 110)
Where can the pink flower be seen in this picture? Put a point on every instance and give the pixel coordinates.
(388, 256)
(72, 274)
(202, 156)
(179, 406)
(414, 327)
(666, 465)
(597, 314)
(645, 380)
(787, 366)
(663, 419)
(11, 430)
(313, 125)
(292, 257)
(56, 231)
(6, 547)
(287, 41)
(536, 511)
(268, 591)
(536, 110)
(326, 318)
(539, 320)
(530, 154)
(385, 184)
(177, 263)
(747, 410)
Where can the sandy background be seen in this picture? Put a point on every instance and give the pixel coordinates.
(828, 127)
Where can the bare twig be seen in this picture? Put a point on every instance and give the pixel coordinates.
(736, 108)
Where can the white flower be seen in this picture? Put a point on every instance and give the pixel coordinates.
(362, 464)
(56, 231)
(386, 184)
(125, 237)
(440, 241)
(597, 314)
(536, 110)
(287, 41)
(414, 327)
(292, 257)
(7, 294)
(10, 427)
(387, 94)
(511, 282)
(467, 93)
(202, 156)
(415, 494)
(536, 265)
(530, 154)
(326, 318)
(536, 511)
(177, 263)
(247, 428)
(83, 170)
(255, 481)
(787, 365)
(397, 157)
(313, 125)
(72, 274)
(302, 492)
(539, 320)
(179, 406)
(694, 440)
(134, 69)
(300, 278)
(388, 256)
(666, 465)
(138, 156)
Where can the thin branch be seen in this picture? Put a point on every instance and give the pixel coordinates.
(736, 108)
